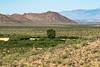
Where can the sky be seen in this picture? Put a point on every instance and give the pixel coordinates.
(25, 6)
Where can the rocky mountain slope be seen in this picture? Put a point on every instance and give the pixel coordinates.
(34, 19)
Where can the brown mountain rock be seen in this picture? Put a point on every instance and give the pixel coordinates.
(34, 19)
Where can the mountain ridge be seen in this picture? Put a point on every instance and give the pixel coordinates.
(83, 15)
(34, 19)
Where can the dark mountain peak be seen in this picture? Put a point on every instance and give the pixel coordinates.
(51, 12)
(45, 13)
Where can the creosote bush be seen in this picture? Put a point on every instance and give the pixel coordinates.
(51, 33)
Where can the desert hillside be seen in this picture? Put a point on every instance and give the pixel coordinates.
(34, 19)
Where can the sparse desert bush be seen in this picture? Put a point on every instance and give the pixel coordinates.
(51, 33)
(67, 55)
(68, 48)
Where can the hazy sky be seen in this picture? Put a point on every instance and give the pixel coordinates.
(21, 6)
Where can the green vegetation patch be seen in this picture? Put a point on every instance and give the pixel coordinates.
(18, 42)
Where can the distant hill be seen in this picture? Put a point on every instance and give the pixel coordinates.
(34, 19)
(83, 16)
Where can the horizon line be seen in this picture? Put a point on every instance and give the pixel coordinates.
(19, 12)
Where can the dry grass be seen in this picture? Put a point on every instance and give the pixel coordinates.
(63, 56)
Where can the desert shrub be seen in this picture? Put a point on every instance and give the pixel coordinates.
(1, 35)
(46, 42)
(19, 37)
(51, 33)
(23, 65)
(43, 42)
(1, 62)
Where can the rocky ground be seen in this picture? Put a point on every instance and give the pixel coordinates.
(62, 56)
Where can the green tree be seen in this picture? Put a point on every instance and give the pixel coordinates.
(51, 33)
